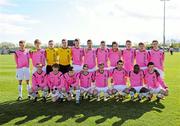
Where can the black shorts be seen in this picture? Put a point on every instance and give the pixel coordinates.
(64, 68)
(48, 69)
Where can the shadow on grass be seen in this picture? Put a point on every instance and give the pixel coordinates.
(122, 110)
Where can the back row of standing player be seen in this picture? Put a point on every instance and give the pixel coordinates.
(79, 56)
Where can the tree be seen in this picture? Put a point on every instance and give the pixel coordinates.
(7, 45)
(29, 45)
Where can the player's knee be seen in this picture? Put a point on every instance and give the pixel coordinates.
(144, 90)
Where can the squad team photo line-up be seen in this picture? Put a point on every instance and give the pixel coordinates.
(76, 73)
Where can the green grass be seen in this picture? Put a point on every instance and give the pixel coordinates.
(165, 113)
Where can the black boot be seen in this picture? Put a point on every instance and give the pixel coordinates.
(35, 99)
(44, 99)
(19, 98)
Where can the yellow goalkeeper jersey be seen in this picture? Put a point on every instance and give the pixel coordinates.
(51, 56)
(65, 56)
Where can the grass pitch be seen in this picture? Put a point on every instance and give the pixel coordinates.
(126, 113)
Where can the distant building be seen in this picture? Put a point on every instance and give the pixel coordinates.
(5, 51)
(70, 42)
(109, 46)
(120, 46)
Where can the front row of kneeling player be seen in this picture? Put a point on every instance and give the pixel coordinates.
(87, 85)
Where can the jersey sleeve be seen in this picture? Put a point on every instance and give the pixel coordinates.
(70, 53)
(161, 82)
(134, 53)
(67, 85)
(82, 52)
(45, 80)
(49, 82)
(62, 83)
(120, 54)
(56, 52)
(76, 83)
(15, 58)
(34, 81)
(148, 57)
(93, 76)
(31, 53)
(46, 54)
(108, 73)
(163, 56)
(111, 72)
(149, 53)
(126, 75)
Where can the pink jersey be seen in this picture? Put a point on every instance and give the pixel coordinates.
(128, 56)
(56, 80)
(71, 81)
(39, 80)
(90, 57)
(153, 81)
(85, 80)
(101, 79)
(157, 57)
(22, 58)
(119, 76)
(136, 79)
(114, 57)
(38, 56)
(77, 56)
(102, 56)
(142, 58)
